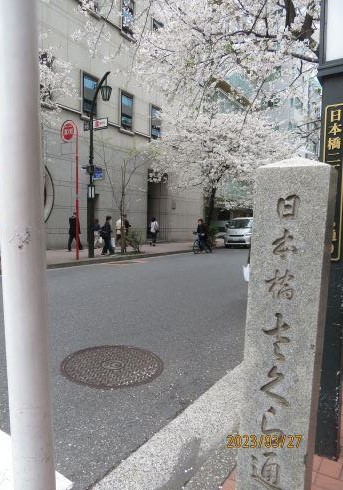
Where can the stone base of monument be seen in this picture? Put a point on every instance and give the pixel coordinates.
(214, 470)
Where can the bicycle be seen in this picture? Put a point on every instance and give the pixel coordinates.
(199, 248)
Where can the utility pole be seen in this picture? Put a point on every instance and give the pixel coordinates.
(105, 94)
(22, 237)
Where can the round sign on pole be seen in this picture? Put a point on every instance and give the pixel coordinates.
(68, 131)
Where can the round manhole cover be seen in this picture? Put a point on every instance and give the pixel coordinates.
(110, 367)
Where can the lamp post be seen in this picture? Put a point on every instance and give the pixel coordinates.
(330, 74)
(105, 94)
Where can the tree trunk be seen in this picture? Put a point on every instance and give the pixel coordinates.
(210, 206)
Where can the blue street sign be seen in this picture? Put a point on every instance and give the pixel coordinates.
(98, 173)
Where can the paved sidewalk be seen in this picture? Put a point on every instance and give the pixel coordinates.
(326, 474)
(63, 258)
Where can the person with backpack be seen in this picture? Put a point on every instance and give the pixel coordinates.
(154, 228)
(105, 234)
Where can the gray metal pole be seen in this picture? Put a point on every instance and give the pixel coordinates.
(22, 239)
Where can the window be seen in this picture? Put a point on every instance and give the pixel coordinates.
(46, 61)
(126, 108)
(92, 5)
(155, 115)
(89, 84)
(127, 12)
(156, 25)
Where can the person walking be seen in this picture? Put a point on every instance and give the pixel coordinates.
(72, 231)
(96, 231)
(154, 228)
(105, 234)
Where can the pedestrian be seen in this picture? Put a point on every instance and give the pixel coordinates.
(154, 228)
(96, 231)
(122, 223)
(126, 226)
(72, 231)
(105, 234)
(202, 233)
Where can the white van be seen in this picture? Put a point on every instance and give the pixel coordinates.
(238, 232)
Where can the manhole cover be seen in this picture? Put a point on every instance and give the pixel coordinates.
(109, 367)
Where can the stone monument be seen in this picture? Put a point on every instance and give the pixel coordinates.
(290, 257)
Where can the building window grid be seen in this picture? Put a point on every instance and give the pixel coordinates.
(89, 83)
(46, 60)
(90, 5)
(126, 111)
(127, 14)
(155, 122)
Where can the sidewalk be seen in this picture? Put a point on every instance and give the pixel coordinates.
(63, 258)
(326, 474)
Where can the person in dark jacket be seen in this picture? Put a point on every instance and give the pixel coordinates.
(106, 232)
(202, 233)
(72, 231)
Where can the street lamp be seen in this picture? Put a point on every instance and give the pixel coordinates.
(331, 49)
(330, 74)
(105, 94)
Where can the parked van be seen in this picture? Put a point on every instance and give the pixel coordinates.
(238, 232)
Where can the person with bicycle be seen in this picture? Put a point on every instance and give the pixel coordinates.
(202, 233)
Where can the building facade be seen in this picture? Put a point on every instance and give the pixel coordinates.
(93, 41)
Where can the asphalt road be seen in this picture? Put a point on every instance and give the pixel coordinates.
(189, 310)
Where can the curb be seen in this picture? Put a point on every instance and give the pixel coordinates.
(119, 258)
(172, 457)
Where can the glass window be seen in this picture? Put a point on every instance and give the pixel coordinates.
(155, 122)
(127, 12)
(90, 5)
(89, 84)
(46, 61)
(126, 111)
(156, 25)
(240, 223)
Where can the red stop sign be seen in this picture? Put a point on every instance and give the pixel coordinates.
(67, 131)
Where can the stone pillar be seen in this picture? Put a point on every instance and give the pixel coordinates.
(290, 258)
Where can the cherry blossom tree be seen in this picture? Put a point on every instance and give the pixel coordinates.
(208, 151)
(202, 41)
(55, 83)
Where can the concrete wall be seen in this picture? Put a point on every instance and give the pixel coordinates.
(59, 20)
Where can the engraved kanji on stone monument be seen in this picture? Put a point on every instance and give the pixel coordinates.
(267, 474)
(279, 285)
(270, 413)
(276, 378)
(288, 207)
(283, 245)
(277, 332)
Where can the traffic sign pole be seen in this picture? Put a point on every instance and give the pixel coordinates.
(68, 132)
